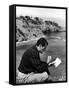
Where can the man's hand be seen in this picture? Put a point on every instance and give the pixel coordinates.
(51, 60)
(51, 63)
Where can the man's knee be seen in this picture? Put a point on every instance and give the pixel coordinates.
(45, 75)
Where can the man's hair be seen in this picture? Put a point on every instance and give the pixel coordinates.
(42, 41)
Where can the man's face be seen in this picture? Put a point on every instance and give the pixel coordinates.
(41, 48)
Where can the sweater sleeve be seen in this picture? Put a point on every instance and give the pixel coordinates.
(38, 65)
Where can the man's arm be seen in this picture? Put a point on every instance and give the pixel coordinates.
(39, 65)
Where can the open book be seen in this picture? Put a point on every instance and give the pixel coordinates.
(57, 62)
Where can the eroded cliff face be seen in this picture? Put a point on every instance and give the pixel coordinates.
(33, 27)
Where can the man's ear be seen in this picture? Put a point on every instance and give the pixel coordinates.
(40, 45)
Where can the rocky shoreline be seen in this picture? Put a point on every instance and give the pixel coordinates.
(28, 28)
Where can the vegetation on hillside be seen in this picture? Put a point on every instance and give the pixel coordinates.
(30, 27)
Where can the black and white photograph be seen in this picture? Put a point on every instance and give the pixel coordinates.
(41, 43)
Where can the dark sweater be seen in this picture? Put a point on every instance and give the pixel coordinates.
(31, 62)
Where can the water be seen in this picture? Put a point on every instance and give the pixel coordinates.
(56, 48)
(58, 34)
(56, 44)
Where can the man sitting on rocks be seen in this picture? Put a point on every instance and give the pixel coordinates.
(31, 68)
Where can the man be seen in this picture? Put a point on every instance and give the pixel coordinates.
(31, 68)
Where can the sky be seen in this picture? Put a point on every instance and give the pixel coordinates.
(58, 15)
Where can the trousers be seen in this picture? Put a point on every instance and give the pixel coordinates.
(31, 77)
